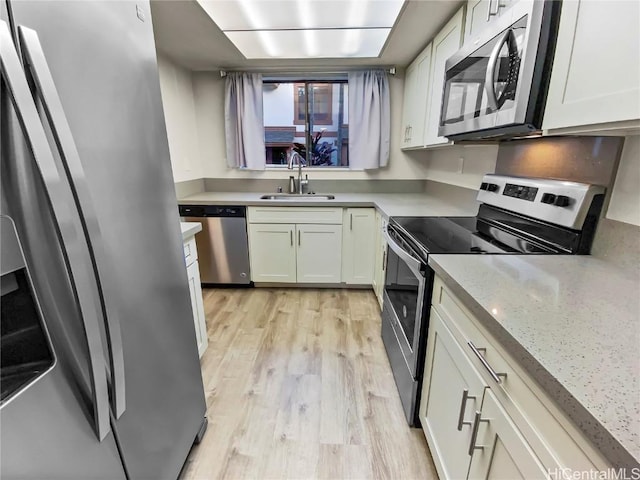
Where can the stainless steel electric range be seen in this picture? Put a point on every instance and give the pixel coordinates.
(517, 216)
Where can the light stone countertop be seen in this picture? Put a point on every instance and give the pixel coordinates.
(573, 322)
(389, 204)
(189, 229)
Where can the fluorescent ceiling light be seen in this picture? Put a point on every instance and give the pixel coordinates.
(316, 26)
(292, 44)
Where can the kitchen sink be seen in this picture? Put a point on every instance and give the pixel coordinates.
(296, 196)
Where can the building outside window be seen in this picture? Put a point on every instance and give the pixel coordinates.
(286, 127)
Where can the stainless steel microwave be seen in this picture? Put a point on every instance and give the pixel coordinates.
(496, 85)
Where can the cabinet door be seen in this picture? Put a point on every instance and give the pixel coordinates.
(446, 412)
(381, 257)
(410, 85)
(358, 252)
(319, 253)
(477, 18)
(501, 451)
(272, 251)
(446, 43)
(197, 307)
(416, 99)
(481, 13)
(595, 78)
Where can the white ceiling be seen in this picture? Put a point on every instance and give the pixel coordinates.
(185, 33)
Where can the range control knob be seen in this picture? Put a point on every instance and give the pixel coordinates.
(561, 201)
(492, 187)
(484, 186)
(549, 198)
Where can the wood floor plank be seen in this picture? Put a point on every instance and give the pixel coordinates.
(298, 385)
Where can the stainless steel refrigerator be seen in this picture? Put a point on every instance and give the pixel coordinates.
(100, 371)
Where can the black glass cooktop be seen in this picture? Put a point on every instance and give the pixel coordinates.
(445, 235)
(492, 231)
(440, 234)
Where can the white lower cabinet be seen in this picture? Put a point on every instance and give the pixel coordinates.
(329, 245)
(195, 292)
(358, 251)
(483, 416)
(453, 394)
(500, 450)
(272, 251)
(380, 266)
(307, 251)
(319, 253)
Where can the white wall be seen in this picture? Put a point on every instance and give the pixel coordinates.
(274, 113)
(209, 106)
(462, 166)
(624, 204)
(179, 111)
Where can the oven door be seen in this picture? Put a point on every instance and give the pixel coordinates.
(404, 294)
(488, 83)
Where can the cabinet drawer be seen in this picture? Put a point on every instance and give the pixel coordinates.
(298, 215)
(190, 251)
(550, 433)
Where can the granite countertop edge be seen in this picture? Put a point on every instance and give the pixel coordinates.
(583, 419)
(189, 229)
(388, 204)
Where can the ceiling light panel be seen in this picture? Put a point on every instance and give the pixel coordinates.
(350, 43)
(232, 15)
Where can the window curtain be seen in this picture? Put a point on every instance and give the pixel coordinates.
(244, 129)
(369, 119)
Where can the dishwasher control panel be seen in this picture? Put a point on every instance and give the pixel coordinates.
(212, 211)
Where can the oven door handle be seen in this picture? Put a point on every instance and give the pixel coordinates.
(413, 263)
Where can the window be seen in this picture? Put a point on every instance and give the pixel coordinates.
(325, 132)
(321, 100)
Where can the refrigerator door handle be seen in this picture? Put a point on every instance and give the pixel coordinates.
(74, 252)
(46, 91)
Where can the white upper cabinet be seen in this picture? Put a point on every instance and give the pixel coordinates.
(446, 44)
(482, 12)
(595, 81)
(416, 96)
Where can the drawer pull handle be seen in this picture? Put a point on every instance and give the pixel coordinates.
(474, 433)
(463, 406)
(291, 236)
(496, 376)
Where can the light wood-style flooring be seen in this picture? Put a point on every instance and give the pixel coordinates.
(298, 385)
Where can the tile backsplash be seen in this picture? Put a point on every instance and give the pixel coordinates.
(579, 159)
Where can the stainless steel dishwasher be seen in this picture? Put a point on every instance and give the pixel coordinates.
(223, 248)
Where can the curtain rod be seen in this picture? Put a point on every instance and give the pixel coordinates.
(293, 71)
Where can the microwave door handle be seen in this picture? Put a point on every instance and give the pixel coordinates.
(74, 253)
(413, 263)
(489, 86)
(36, 62)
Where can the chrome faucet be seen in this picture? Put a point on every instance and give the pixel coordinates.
(301, 183)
